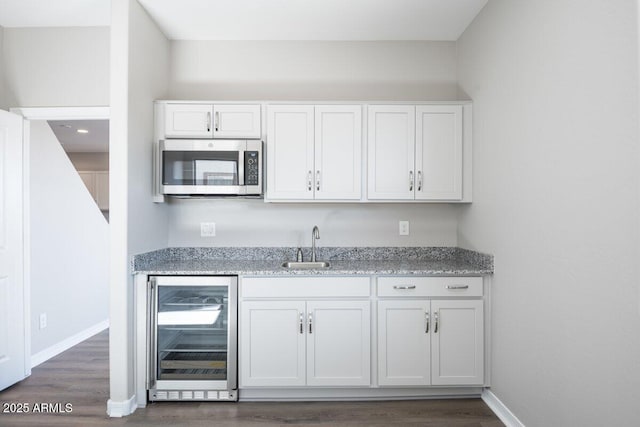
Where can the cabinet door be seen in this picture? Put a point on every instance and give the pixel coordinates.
(338, 152)
(272, 343)
(338, 343)
(236, 121)
(391, 142)
(188, 121)
(404, 343)
(458, 342)
(289, 152)
(439, 152)
(102, 190)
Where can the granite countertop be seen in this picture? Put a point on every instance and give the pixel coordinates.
(254, 261)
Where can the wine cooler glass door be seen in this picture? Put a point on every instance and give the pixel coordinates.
(193, 336)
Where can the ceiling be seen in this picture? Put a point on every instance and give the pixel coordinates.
(265, 19)
(96, 140)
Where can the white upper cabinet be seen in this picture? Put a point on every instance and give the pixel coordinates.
(188, 121)
(439, 152)
(391, 152)
(314, 152)
(415, 152)
(338, 152)
(230, 121)
(236, 121)
(290, 152)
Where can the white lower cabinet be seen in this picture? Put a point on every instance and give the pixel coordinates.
(316, 333)
(305, 343)
(430, 342)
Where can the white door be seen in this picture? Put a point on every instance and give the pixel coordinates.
(391, 145)
(188, 121)
(289, 152)
(439, 152)
(338, 343)
(404, 343)
(338, 152)
(13, 366)
(458, 342)
(272, 343)
(236, 121)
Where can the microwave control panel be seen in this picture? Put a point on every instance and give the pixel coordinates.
(251, 168)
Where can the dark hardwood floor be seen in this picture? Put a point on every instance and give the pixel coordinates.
(80, 377)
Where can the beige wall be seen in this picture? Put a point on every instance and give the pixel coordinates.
(556, 200)
(60, 67)
(90, 161)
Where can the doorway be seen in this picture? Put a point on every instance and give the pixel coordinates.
(66, 237)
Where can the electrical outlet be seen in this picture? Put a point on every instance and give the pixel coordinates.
(43, 320)
(207, 229)
(404, 228)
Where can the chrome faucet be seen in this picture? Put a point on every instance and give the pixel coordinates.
(315, 234)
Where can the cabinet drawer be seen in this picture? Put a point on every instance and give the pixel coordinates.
(430, 286)
(304, 287)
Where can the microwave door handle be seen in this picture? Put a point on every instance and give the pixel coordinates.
(241, 160)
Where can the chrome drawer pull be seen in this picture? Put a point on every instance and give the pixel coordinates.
(301, 324)
(310, 323)
(435, 329)
(457, 286)
(404, 286)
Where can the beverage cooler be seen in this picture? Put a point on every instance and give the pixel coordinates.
(192, 340)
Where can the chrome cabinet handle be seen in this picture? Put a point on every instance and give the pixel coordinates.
(457, 286)
(208, 122)
(426, 318)
(317, 180)
(301, 323)
(310, 323)
(217, 120)
(410, 180)
(404, 286)
(419, 180)
(435, 329)
(309, 184)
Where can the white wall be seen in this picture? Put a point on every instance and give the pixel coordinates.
(556, 200)
(281, 70)
(139, 74)
(69, 246)
(47, 67)
(254, 223)
(3, 89)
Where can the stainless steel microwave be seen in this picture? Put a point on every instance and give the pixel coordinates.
(191, 167)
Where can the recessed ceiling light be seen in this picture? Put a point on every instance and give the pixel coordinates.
(82, 131)
(65, 126)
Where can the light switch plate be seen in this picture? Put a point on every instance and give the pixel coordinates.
(404, 228)
(207, 229)
(43, 320)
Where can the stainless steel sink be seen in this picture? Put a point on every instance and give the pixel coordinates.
(305, 264)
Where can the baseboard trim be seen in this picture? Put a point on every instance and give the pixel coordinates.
(500, 409)
(67, 343)
(119, 409)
